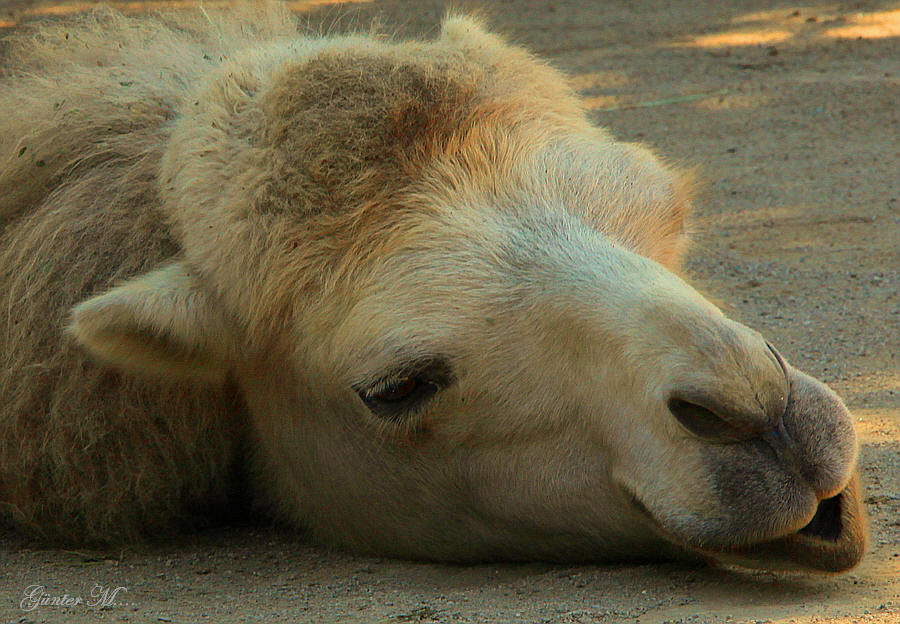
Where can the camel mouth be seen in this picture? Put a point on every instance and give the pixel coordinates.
(827, 523)
(834, 539)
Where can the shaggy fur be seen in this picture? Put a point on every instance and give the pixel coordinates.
(255, 233)
(87, 111)
(89, 107)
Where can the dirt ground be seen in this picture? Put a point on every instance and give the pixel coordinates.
(790, 114)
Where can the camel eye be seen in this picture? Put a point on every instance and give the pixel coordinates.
(397, 399)
(396, 390)
(400, 395)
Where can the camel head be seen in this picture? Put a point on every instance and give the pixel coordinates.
(452, 308)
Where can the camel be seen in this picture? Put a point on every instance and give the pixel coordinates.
(404, 295)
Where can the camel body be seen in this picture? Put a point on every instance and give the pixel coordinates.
(407, 290)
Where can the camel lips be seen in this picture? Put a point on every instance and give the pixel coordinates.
(826, 523)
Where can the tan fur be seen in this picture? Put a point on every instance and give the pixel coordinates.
(232, 214)
(85, 110)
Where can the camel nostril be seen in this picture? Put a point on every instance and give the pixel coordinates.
(772, 436)
(705, 423)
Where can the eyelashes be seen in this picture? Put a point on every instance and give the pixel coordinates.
(398, 400)
(399, 396)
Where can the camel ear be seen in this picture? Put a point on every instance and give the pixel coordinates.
(675, 228)
(468, 31)
(160, 323)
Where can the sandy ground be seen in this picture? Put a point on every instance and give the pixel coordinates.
(790, 112)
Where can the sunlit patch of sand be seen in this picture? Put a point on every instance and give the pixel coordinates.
(878, 617)
(59, 9)
(305, 5)
(71, 8)
(763, 36)
(778, 26)
(876, 425)
(878, 25)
